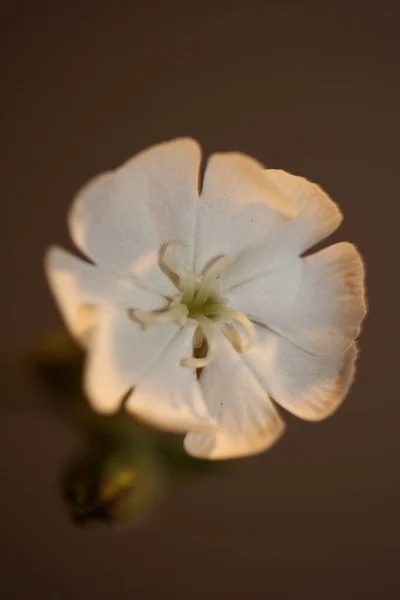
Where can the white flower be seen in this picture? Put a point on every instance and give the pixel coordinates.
(223, 271)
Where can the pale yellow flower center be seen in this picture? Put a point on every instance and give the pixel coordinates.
(199, 299)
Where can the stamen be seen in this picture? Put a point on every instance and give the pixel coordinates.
(226, 314)
(233, 336)
(171, 264)
(201, 301)
(187, 285)
(186, 280)
(147, 318)
(209, 280)
(207, 330)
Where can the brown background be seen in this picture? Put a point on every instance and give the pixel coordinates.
(306, 86)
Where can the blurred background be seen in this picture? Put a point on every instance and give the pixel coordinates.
(307, 86)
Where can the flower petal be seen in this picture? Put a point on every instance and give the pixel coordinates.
(266, 295)
(310, 387)
(269, 269)
(248, 423)
(238, 206)
(315, 215)
(121, 354)
(326, 313)
(79, 286)
(121, 218)
(169, 397)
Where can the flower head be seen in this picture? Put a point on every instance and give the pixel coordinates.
(201, 311)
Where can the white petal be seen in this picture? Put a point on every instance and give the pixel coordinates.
(316, 215)
(257, 259)
(121, 354)
(269, 269)
(169, 397)
(173, 181)
(121, 218)
(248, 422)
(310, 387)
(238, 206)
(266, 295)
(326, 313)
(79, 286)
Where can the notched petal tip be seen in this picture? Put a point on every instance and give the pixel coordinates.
(316, 215)
(83, 202)
(250, 174)
(102, 404)
(184, 144)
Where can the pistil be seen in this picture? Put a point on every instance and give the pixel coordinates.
(199, 300)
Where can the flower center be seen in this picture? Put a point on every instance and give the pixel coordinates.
(199, 299)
